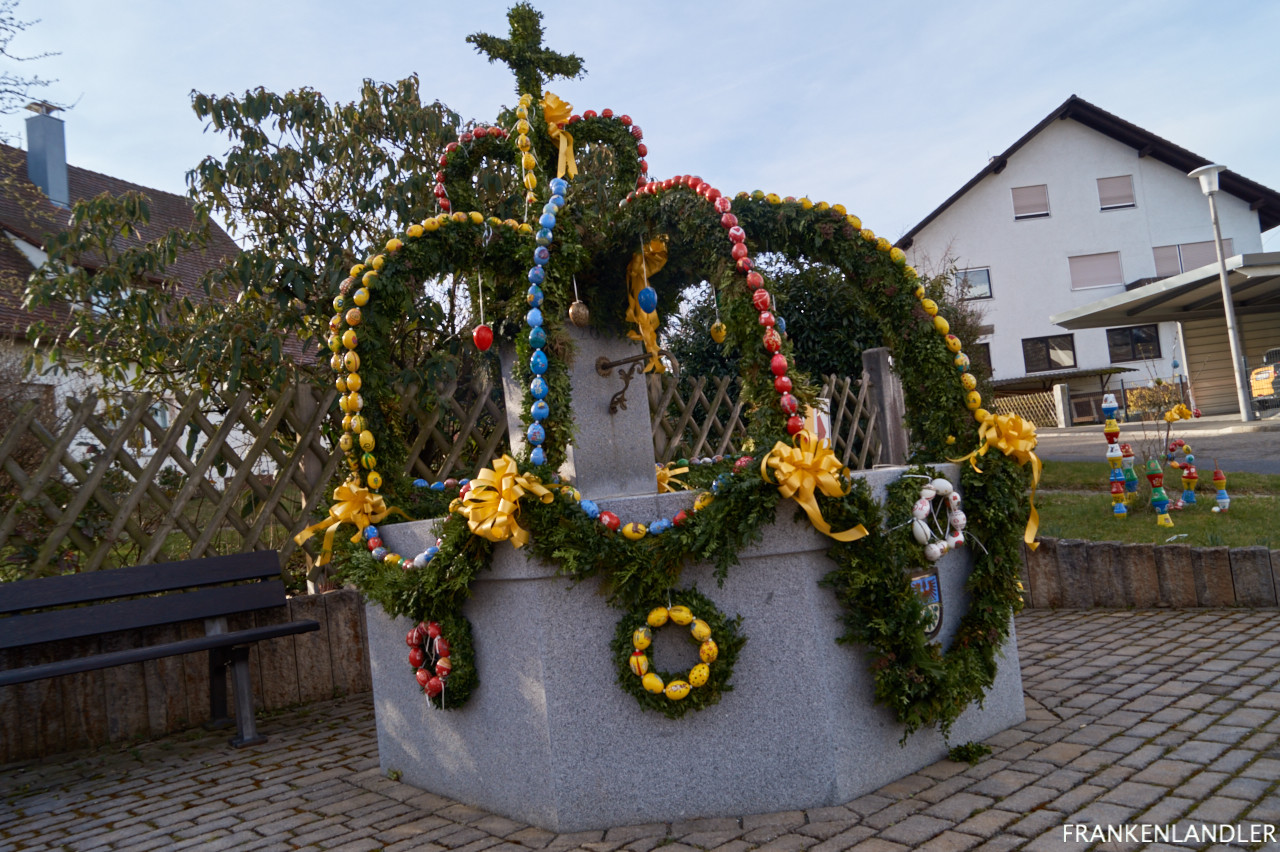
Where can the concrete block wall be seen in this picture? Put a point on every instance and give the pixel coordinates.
(1073, 574)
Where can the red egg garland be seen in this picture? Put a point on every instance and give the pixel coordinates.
(429, 655)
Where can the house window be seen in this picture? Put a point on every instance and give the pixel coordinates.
(1095, 270)
(1135, 343)
(1049, 353)
(1172, 260)
(1031, 202)
(974, 283)
(980, 358)
(1116, 193)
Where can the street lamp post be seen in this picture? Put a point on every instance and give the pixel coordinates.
(1208, 177)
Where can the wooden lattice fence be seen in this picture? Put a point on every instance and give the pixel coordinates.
(1038, 408)
(113, 484)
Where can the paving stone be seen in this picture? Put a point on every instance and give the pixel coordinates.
(915, 829)
(785, 819)
(1134, 794)
(1003, 783)
(950, 841)
(628, 833)
(844, 840)
(827, 830)
(987, 823)
(959, 807)
(710, 839)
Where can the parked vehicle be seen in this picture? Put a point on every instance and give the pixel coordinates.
(1264, 382)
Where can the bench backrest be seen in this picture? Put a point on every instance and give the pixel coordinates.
(44, 610)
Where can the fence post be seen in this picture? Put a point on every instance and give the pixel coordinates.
(1062, 404)
(312, 468)
(891, 407)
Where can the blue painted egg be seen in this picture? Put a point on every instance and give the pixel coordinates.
(379, 553)
(437, 486)
(559, 185)
(534, 317)
(537, 275)
(538, 456)
(647, 299)
(557, 200)
(534, 296)
(536, 434)
(420, 483)
(543, 236)
(541, 255)
(537, 337)
(538, 388)
(370, 532)
(592, 510)
(538, 361)
(539, 410)
(547, 220)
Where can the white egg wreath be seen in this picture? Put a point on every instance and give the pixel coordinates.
(926, 527)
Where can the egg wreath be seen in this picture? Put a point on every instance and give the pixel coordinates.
(698, 234)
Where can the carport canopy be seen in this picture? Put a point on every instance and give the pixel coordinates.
(1254, 280)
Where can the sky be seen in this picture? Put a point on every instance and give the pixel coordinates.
(886, 108)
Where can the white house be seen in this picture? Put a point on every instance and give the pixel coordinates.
(1083, 207)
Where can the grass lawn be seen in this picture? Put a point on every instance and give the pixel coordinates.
(1074, 501)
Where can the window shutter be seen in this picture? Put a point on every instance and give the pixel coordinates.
(1114, 192)
(1030, 201)
(1095, 270)
(1196, 255)
(1167, 262)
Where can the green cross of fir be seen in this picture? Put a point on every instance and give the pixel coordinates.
(532, 63)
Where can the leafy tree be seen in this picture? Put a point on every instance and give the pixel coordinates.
(306, 186)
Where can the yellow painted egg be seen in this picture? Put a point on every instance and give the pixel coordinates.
(973, 400)
(355, 402)
(700, 629)
(357, 270)
(953, 343)
(929, 305)
(369, 278)
(414, 230)
(677, 690)
(359, 424)
(968, 381)
(394, 244)
(522, 126)
(335, 363)
(335, 322)
(494, 222)
(341, 384)
(368, 461)
(354, 382)
(431, 224)
(708, 651)
(346, 423)
(374, 480)
(530, 180)
(338, 302)
(526, 228)
(853, 222)
(639, 664)
(367, 442)
(361, 297)
(476, 217)
(919, 291)
(528, 160)
(345, 442)
(772, 198)
(378, 262)
(882, 244)
(718, 332)
(868, 235)
(941, 325)
(806, 203)
(910, 272)
(982, 415)
(634, 531)
(699, 674)
(335, 343)
(897, 255)
(652, 683)
(657, 616)
(839, 208)
(680, 615)
(641, 638)
(523, 143)
(702, 501)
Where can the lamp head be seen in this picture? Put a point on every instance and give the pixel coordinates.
(1208, 176)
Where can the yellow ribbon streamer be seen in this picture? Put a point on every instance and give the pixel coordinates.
(638, 272)
(1016, 438)
(667, 478)
(801, 470)
(493, 502)
(1178, 412)
(555, 112)
(354, 504)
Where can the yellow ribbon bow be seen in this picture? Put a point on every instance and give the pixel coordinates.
(1016, 438)
(555, 112)
(801, 470)
(493, 502)
(667, 477)
(354, 504)
(643, 265)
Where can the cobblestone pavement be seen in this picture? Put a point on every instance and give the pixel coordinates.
(1156, 717)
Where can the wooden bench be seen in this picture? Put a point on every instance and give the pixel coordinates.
(75, 606)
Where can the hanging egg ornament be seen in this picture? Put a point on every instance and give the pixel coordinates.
(657, 616)
(639, 663)
(718, 331)
(579, 315)
(700, 630)
(483, 337)
(647, 299)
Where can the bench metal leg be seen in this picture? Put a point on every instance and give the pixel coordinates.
(246, 726)
(218, 716)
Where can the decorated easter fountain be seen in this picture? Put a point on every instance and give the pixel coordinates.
(839, 628)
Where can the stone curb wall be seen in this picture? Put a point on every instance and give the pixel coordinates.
(1074, 574)
(148, 700)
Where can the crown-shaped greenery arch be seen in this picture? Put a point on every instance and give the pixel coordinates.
(583, 245)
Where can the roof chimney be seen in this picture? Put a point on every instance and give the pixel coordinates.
(47, 153)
